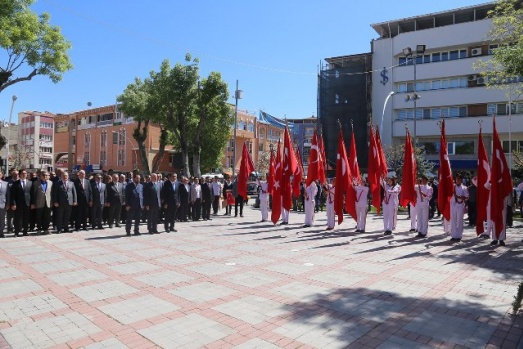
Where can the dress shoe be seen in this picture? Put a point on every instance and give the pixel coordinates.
(137, 233)
(128, 233)
(329, 228)
(2, 236)
(501, 243)
(420, 235)
(494, 242)
(25, 234)
(306, 226)
(387, 232)
(412, 230)
(16, 235)
(118, 225)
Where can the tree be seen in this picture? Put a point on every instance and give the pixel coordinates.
(135, 101)
(262, 165)
(30, 42)
(394, 155)
(193, 114)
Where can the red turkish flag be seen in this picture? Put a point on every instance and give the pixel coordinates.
(288, 170)
(343, 183)
(246, 167)
(482, 191)
(272, 174)
(446, 183)
(374, 176)
(501, 183)
(353, 160)
(276, 190)
(383, 162)
(323, 160)
(408, 177)
(296, 180)
(315, 162)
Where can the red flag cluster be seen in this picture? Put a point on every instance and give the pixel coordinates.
(408, 178)
(246, 168)
(446, 183)
(377, 167)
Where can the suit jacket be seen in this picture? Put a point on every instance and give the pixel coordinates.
(39, 197)
(64, 194)
(115, 193)
(207, 195)
(134, 195)
(21, 195)
(183, 194)
(99, 193)
(152, 195)
(5, 194)
(169, 193)
(84, 193)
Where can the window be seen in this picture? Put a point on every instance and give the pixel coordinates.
(462, 54)
(260, 147)
(464, 148)
(426, 59)
(262, 133)
(115, 137)
(492, 48)
(435, 113)
(431, 148)
(450, 148)
(251, 127)
(436, 84)
(454, 54)
(402, 61)
(444, 56)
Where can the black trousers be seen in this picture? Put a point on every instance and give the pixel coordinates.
(21, 221)
(82, 211)
(153, 215)
(196, 209)
(215, 204)
(238, 202)
(43, 218)
(96, 215)
(63, 214)
(206, 209)
(170, 217)
(115, 211)
(133, 214)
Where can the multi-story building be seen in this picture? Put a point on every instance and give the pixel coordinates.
(101, 139)
(35, 140)
(10, 134)
(427, 62)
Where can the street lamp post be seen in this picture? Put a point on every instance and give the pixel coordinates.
(237, 95)
(9, 134)
(420, 49)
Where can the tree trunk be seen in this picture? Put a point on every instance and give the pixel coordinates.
(196, 162)
(140, 135)
(161, 150)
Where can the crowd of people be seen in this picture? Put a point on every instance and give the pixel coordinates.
(56, 202)
(45, 202)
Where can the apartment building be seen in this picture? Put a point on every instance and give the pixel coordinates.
(35, 140)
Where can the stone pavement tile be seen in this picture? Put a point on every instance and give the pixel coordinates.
(402, 289)
(133, 267)
(179, 260)
(153, 252)
(39, 257)
(301, 291)
(217, 253)
(251, 309)
(103, 290)
(90, 251)
(192, 331)
(163, 278)
(321, 331)
(49, 332)
(110, 258)
(112, 343)
(54, 266)
(189, 247)
(3, 263)
(366, 267)
(249, 260)
(202, 292)
(480, 306)
(251, 278)
(18, 287)
(420, 276)
(451, 329)
(9, 272)
(129, 246)
(292, 269)
(76, 277)
(137, 309)
(211, 269)
(337, 278)
(395, 342)
(30, 306)
(256, 343)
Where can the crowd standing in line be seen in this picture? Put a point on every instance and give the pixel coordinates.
(72, 203)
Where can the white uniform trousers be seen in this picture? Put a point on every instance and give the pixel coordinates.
(361, 214)
(389, 216)
(284, 215)
(264, 206)
(331, 216)
(422, 214)
(413, 212)
(309, 211)
(457, 211)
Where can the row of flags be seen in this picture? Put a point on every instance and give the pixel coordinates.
(285, 165)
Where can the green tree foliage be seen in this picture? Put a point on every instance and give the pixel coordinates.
(394, 155)
(32, 46)
(193, 113)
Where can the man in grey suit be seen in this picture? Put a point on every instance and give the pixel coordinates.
(4, 203)
(115, 200)
(99, 200)
(85, 200)
(152, 202)
(64, 198)
(21, 203)
(41, 202)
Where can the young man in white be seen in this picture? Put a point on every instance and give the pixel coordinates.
(264, 199)
(310, 194)
(423, 196)
(330, 190)
(457, 208)
(362, 191)
(390, 203)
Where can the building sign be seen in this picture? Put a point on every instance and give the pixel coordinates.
(62, 126)
(384, 76)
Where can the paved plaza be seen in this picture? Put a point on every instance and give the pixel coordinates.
(240, 283)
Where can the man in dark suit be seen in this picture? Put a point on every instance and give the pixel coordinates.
(152, 202)
(99, 199)
(64, 198)
(115, 201)
(10, 214)
(207, 198)
(5, 197)
(133, 204)
(21, 202)
(85, 199)
(41, 202)
(183, 196)
(169, 195)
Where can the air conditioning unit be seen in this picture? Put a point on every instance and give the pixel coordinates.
(481, 80)
(476, 51)
(472, 77)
